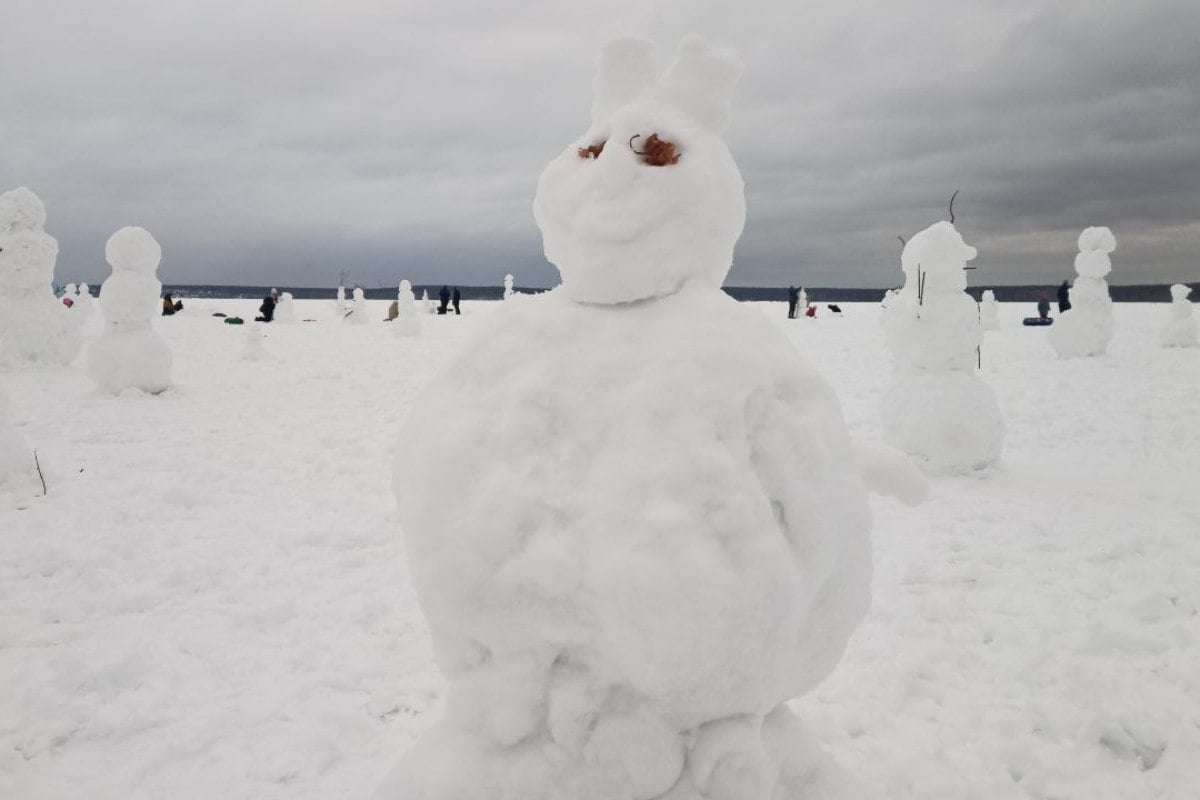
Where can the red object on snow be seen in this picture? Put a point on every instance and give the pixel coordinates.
(811, 311)
(68, 302)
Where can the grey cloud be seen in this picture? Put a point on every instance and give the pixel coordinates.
(275, 143)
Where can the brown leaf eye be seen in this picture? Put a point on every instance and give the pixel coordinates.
(591, 151)
(656, 152)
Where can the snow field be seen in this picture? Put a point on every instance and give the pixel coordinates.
(212, 600)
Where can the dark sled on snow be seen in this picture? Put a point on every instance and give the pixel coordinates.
(1037, 322)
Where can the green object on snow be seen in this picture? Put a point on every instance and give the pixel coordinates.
(233, 320)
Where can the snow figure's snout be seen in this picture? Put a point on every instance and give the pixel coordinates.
(649, 197)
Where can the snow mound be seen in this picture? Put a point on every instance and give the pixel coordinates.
(590, 478)
(129, 352)
(1180, 330)
(937, 409)
(285, 309)
(14, 453)
(35, 327)
(1086, 328)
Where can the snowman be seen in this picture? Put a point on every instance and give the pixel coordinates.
(426, 303)
(508, 286)
(285, 308)
(35, 326)
(407, 323)
(83, 301)
(1086, 328)
(1181, 325)
(989, 311)
(69, 295)
(129, 352)
(937, 408)
(666, 538)
(358, 309)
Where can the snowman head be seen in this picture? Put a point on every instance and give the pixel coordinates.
(406, 288)
(1180, 292)
(938, 256)
(1094, 246)
(358, 293)
(649, 197)
(133, 249)
(21, 210)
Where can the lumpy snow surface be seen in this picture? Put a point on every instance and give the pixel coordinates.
(635, 537)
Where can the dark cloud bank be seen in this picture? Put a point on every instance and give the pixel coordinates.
(282, 143)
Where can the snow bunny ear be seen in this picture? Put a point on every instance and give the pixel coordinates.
(701, 82)
(624, 71)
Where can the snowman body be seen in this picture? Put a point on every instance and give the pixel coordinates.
(937, 408)
(665, 537)
(1086, 328)
(129, 353)
(508, 286)
(35, 326)
(358, 309)
(285, 309)
(1180, 330)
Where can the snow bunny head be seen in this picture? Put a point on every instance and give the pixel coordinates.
(940, 255)
(133, 249)
(650, 197)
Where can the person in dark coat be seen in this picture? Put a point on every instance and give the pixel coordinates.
(793, 299)
(1044, 306)
(457, 299)
(444, 295)
(267, 309)
(1064, 297)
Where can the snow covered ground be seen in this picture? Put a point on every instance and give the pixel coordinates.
(212, 599)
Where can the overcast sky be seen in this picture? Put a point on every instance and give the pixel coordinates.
(281, 142)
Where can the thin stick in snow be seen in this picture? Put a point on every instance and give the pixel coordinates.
(38, 464)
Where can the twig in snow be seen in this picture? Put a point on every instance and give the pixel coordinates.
(38, 464)
(952, 205)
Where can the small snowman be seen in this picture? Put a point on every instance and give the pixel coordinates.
(989, 311)
(508, 286)
(427, 303)
(340, 303)
(69, 295)
(1180, 330)
(358, 310)
(83, 301)
(130, 352)
(937, 407)
(1086, 328)
(667, 537)
(285, 308)
(407, 323)
(35, 326)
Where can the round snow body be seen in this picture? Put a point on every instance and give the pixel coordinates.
(406, 323)
(630, 492)
(133, 249)
(137, 358)
(130, 298)
(949, 421)
(358, 310)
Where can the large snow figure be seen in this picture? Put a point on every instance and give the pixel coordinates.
(358, 310)
(634, 537)
(35, 326)
(1181, 325)
(130, 353)
(407, 322)
(1087, 326)
(937, 408)
(508, 286)
(989, 311)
